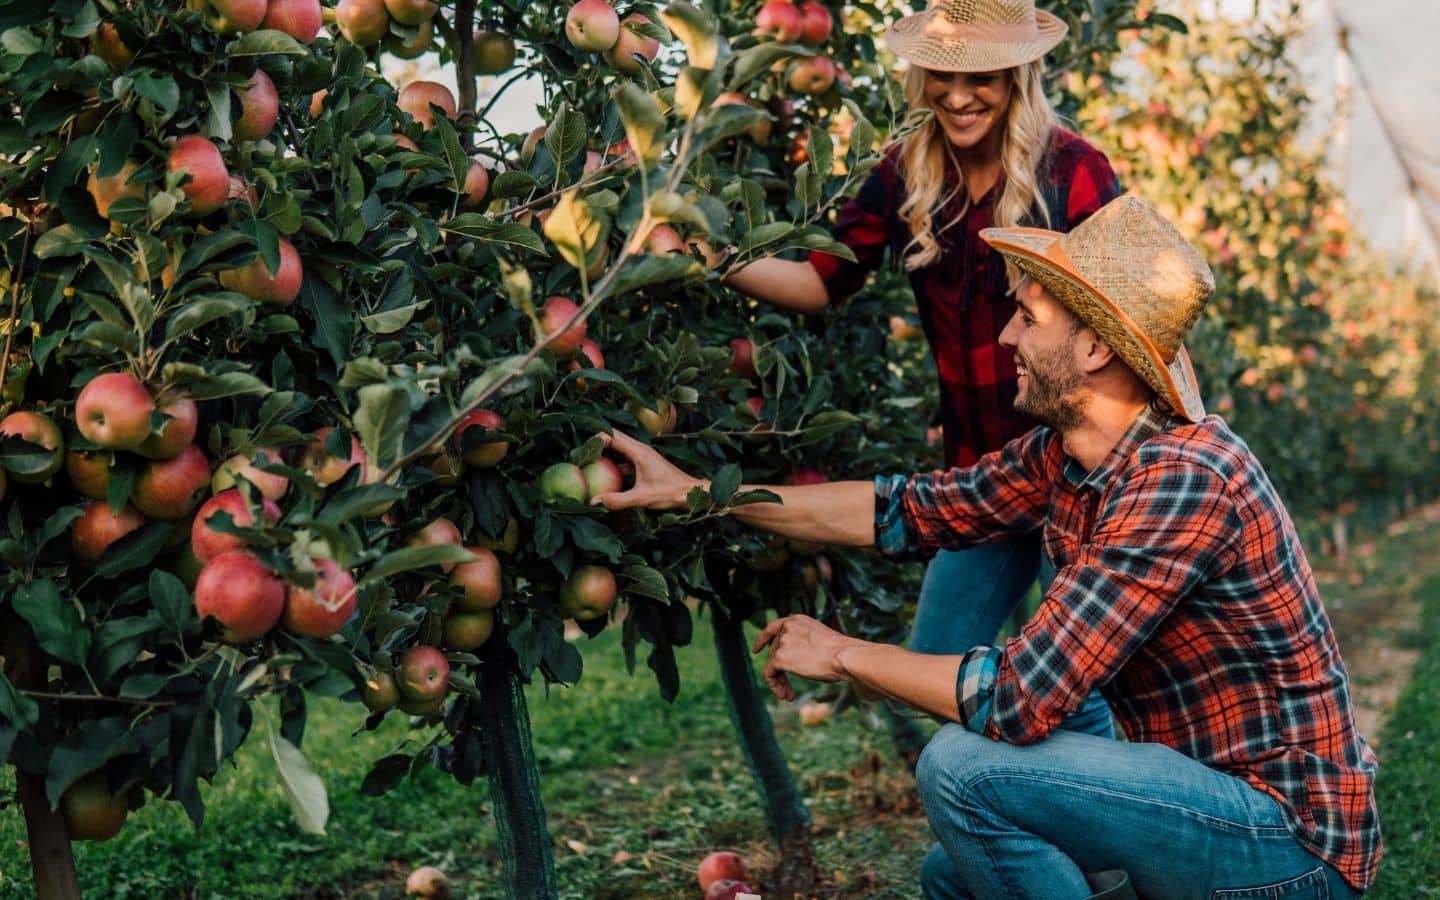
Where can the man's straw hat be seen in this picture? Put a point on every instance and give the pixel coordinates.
(1128, 274)
(975, 35)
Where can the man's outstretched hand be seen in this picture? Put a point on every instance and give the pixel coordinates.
(659, 484)
(801, 646)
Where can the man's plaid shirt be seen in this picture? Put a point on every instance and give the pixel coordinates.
(1183, 593)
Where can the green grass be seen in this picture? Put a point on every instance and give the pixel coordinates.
(1408, 790)
(620, 771)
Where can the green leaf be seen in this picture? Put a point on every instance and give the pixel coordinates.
(696, 31)
(207, 248)
(385, 775)
(512, 184)
(821, 426)
(56, 621)
(171, 600)
(266, 42)
(334, 319)
(381, 420)
(16, 708)
(643, 271)
(160, 90)
(21, 457)
(86, 750)
(199, 311)
(56, 524)
(228, 384)
(408, 559)
(724, 484)
(765, 234)
(566, 135)
(303, 788)
(646, 582)
(822, 151)
(217, 120)
(574, 228)
(644, 123)
(481, 228)
(501, 371)
(392, 320)
(756, 61)
(356, 502)
(136, 549)
(60, 241)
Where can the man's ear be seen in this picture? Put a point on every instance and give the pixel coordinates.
(1092, 351)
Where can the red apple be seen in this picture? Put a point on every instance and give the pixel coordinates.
(40, 429)
(438, 533)
(813, 76)
(98, 528)
(406, 144)
(664, 239)
(256, 281)
(563, 480)
(417, 97)
(89, 471)
(592, 25)
(726, 889)
(555, 319)
(742, 358)
(240, 189)
(466, 631)
(807, 476)
(241, 594)
(590, 357)
(242, 466)
(412, 12)
(588, 593)
(208, 543)
(423, 709)
(107, 190)
(780, 19)
(602, 477)
(424, 673)
(428, 883)
(410, 47)
(92, 812)
(170, 489)
(722, 865)
(380, 693)
(208, 184)
(327, 469)
(362, 22)
(107, 44)
(300, 19)
(177, 433)
(479, 581)
(231, 16)
(494, 52)
(631, 44)
(486, 453)
(322, 609)
(818, 23)
(259, 108)
(477, 182)
(113, 410)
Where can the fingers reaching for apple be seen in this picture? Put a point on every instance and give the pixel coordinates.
(659, 484)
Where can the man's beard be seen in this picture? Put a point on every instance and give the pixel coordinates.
(1052, 390)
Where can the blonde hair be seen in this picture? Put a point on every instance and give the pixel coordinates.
(925, 154)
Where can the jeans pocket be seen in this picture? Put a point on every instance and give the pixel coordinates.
(1310, 886)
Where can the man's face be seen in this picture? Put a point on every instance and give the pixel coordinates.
(1045, 335)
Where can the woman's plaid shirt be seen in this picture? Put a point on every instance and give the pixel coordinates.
(1182, 592)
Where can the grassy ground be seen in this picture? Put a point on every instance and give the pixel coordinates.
(1408, 790)
(638, 791)
(622, 772)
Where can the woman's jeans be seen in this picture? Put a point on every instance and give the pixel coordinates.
(1027, 821)
(966, 597)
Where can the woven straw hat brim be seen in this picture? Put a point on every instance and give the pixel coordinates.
(908, 39)
(1175, 383)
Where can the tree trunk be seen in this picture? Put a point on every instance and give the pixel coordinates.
(525, 846)
(786, 817)
(50, 854)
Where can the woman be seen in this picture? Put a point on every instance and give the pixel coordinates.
(984, 148)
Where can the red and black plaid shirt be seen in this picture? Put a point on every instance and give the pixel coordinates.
(1183, 593)
(963, 297)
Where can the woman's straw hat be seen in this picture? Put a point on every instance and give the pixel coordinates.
(975, 35)
(1128, 274)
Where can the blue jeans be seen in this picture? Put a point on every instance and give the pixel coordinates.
(1027, 821)
(969, 594)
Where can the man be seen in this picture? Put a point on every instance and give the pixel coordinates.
(1182, 592)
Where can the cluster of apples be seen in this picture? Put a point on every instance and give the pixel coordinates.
(595, 26)
(470, 619)
(365, 23)
(809, 23)
(301, 19)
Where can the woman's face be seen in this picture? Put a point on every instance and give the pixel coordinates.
(969, 105)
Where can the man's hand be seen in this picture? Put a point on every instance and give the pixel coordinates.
(659, 484)
(801, 646)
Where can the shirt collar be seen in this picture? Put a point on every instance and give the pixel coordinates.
(1151, 421)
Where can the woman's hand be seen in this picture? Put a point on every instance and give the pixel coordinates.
(659, 484)
(801, 646)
